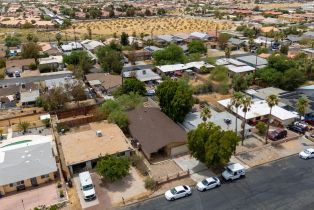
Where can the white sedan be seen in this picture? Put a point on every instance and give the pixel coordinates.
(307, 153)
(208, 183)
(178, 192)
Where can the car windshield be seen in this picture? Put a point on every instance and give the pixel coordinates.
(307, 151)
(205, 182)
(88, 187)
(173, 191)
(229, 171)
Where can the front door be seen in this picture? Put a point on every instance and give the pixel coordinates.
(34, 182)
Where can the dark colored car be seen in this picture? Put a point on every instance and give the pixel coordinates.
(309, 118)
(297, 129)
(277, 134)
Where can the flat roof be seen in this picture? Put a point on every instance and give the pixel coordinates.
(85, 145)
(239, 69)
(263, 93)
(178, 67)
(51, 59)
(143, 75)
(253, 60)
(29, 96)
(260, 108)
(25, 159)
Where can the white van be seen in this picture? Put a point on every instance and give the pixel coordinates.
(233, 171)
(87, 186)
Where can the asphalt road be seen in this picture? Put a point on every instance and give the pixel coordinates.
(284, 184)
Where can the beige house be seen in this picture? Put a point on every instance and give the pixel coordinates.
(83, 147)
(26, 163)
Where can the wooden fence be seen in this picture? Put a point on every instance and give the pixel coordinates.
(172, 177)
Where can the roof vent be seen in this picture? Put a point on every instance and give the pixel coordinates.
(99, 133)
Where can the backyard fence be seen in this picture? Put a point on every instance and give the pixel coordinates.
(172, 177)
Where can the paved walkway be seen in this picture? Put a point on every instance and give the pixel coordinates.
(270, 153)
(43, 195)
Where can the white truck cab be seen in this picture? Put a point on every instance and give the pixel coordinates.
(87, 186)
(233, 171)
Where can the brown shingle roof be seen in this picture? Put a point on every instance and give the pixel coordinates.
(19, 63)
(108, 80)
(153, 129)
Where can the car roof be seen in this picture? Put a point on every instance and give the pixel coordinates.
(210, 179)
(179, 188)
(235, 167)
(310, 149)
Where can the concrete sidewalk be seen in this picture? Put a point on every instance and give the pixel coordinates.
(270, 153)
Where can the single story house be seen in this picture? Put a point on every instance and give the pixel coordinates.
(91, 45)
(263, 93)
(199, 35)
(234, 66)
(260, 109)
(71, 46)
(83, 148)
(236, 42)
(156, 133)
(29, 97)
(26, 163)
(144, 75)
(104, 82)
(225, 120)
(58, 82)
(55, 62)
(18, 65)
(195, 66)
(168, 39)
(253, 60)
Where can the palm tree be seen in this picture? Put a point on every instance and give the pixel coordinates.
(246, 103)
(58, 38)
(227, 52)
(272, 101)
(236, 102)
(302, 105)
(206, 114)
(23, 126)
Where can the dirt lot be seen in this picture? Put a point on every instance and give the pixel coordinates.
(155, 25)
(213, 98)
(164, 168)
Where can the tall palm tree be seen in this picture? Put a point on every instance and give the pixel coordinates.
(206, 114)
(236, 102)
(272, 101)
(246, 103)
(302, 105)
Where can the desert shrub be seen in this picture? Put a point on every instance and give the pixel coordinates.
(150, 183)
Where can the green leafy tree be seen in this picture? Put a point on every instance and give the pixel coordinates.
(54, 99)
(197, 46)
(292, 79)
(120, 118)
(261, 50)
(175, 99)
(172, 54)
(30, 50)
(110, 60)
(272, 101)
(219, 74)
(261, 127)
(223, 40)
(77, 91)
(302, 105)
(130, 101)
(133, 85)
(241, 83)
(12, 41)
(113, 168)
(212, 146)
(81, 61)
(284, 49)
(109, 106)
(124, 39)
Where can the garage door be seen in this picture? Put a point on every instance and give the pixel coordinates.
(179, 150)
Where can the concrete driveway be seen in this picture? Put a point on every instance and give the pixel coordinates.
(42, 195)
(84, 204)
(198, 170)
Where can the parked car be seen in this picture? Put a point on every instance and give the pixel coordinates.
(87, 186)
(309, 118)
(233, 171)
(208, 183)
(297, 129)
(302, 124)
(277, 134)
(178, 192)
(307, 153)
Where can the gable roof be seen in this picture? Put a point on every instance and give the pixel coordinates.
(153, 129)
(20, 161)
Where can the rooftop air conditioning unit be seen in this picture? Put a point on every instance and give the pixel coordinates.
(99, 133)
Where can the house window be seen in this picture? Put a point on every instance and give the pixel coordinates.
(20, 183)
(44, 176)
(11, 184)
